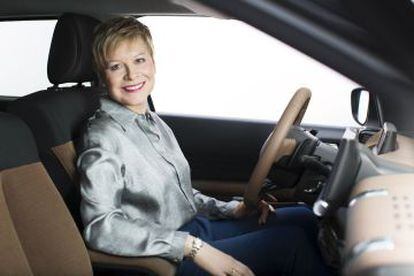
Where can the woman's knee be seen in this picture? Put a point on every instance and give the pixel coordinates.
(300, 256)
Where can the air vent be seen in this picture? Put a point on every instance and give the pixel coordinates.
(403, 212)
(364, 136)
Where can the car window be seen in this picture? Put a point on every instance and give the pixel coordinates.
(24, 50)
(206, 67)
(224, 68)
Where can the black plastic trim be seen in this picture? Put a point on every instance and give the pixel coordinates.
(342, 178)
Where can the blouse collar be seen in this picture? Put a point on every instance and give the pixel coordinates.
(122, 114)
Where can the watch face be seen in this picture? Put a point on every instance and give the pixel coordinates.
(198, 243)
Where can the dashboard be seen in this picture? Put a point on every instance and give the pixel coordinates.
(370, 194)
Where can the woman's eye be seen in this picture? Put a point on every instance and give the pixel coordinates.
(114, 67)
(140, 60)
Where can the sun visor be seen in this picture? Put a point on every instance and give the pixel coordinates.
(200, 9)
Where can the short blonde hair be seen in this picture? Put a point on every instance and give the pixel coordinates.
(109, 34)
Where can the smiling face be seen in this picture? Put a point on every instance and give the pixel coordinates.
(129, 74)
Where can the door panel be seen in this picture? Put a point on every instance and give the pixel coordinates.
(4, 101)
(222, 153)
(219, 149)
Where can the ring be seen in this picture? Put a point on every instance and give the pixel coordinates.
(271, 209)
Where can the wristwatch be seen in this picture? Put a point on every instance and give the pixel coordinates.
(196, 245)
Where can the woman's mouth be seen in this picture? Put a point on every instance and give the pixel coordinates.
(134, 88)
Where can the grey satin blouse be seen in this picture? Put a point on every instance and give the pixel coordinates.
(136, 186)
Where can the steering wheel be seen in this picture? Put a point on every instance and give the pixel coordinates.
(292, 115)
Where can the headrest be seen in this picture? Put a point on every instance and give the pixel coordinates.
(17, 146)
(55, 117)
(70, 55)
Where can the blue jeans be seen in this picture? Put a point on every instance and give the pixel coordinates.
(285, 245)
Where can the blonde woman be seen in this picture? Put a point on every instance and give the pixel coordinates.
(137, 198)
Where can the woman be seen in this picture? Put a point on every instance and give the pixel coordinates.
(136, 190)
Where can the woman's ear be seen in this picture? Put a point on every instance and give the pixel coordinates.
(102, 78)
(99, 75)
(102, 82)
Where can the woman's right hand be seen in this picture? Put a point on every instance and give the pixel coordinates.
(217, 262)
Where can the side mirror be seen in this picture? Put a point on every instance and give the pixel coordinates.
(360, 102)
(366, 108)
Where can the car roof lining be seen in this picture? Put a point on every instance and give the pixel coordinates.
(382, 28)
(96, 8)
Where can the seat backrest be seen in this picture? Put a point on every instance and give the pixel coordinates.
(38, 235)
(55, 117)
(56, 114)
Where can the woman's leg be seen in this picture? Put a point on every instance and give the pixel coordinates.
(285, 244)
(281, 250)
(293, 216)
(220, 229)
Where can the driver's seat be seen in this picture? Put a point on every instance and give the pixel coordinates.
(59, 113)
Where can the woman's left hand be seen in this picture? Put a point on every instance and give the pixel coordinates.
(263, 208)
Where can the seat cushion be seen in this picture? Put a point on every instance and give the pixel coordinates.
(48, 234)
(13, 260)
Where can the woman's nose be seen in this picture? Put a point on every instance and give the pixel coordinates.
(130, 73)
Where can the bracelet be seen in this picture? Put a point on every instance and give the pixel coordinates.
(196, 245)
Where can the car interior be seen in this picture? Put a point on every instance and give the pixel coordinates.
(357, 180)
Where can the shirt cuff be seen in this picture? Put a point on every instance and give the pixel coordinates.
(229, 208)
(177, 246)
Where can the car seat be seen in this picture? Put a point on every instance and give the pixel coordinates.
(38, 235)
(55, 117)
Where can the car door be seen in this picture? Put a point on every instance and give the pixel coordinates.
(223, 101)
(222, 153)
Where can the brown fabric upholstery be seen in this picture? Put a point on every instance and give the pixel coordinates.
(66, 154)
(222, 188)
(48, 235)
(158, 265)
(12, 260)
